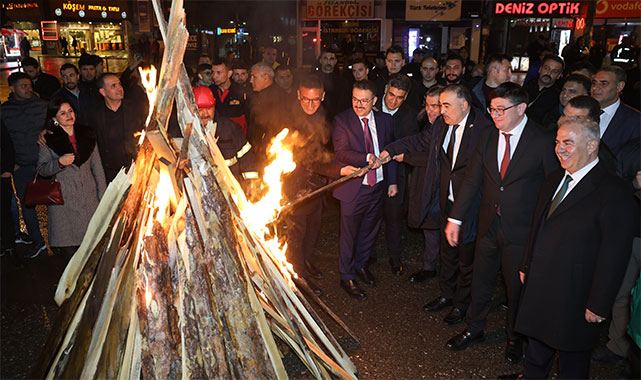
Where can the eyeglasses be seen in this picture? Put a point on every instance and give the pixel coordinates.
(208, 72)
(310, 100)
(362, 102)
(500, 111)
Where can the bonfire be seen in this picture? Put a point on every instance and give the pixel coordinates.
(178, 275)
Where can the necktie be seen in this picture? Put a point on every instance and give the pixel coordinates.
(506, 155)
(450, 146)
(369, 147)
(559, 196)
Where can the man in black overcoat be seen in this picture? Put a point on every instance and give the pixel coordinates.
(576, 257)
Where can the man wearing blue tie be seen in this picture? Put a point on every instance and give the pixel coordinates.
(359, 136)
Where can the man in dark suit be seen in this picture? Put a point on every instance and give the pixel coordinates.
(455, 137)
(404, 124)
(619, 122)
(542, 90)
(359, 135)
(508, 169)
(79, 98)
(578, 249)
(421, 151)
(44, 84)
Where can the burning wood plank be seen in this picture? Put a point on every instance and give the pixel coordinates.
(171, 281)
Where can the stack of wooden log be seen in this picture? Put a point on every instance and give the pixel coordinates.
(169, 282)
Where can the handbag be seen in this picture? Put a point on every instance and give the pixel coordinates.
(43, 192)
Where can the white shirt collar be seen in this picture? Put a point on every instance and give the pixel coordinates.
(463, 121)
(612, 108)
(579, 174)
(518, 131)
(387, 110)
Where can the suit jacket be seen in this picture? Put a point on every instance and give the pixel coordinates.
(625, 125)
(516, 193)
(478, 96)
(349, 147)
(576, 259)
(404, 124)
(476, 127)
(422, 151)
(541, 102)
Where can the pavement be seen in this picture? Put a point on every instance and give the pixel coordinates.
(397, 339)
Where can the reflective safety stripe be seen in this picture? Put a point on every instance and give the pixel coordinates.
(250, 175)
(231, 162)
(244, 150)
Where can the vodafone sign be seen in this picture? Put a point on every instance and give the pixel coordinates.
(617, 8)
(532, 8)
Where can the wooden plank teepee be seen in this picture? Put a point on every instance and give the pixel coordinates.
(169, 282)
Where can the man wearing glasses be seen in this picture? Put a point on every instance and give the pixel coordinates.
(204, 75)
(508, 168)
(359, 136)
(313, 167)
(542, 92)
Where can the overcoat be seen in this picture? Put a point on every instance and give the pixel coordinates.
(576, 259)
(82, 183)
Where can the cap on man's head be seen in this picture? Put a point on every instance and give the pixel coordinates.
(204, 97)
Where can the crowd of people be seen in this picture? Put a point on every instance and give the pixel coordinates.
(538, 182)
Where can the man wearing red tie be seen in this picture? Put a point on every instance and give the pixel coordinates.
(509, 167)
(359, 136)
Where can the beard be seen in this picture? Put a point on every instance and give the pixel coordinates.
(452, 78)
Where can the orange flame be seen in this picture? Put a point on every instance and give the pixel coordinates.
(164, 191)
(148, 79)
(148, 295)
(259, 214)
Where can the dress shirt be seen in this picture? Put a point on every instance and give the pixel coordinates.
(514, 141)
(607, 115)
(577, 176)
(387, 110)
(457, 145)
(500, 151)
(377, 151)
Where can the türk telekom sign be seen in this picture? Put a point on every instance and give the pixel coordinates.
(536, 8)
(339, 9)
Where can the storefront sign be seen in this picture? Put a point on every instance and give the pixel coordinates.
(580, 24)
(530, 22)
(351, 28)
(432, 10)
(618, 8)
(21, 11)
(566, 23)
(49, 30)
(339, 9)
(192, 42)
(15, 6)
(93, 9)
(220, 31)
(543, 9)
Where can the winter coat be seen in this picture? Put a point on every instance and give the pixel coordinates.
(82, 183)
(24, 119)
(46, 85)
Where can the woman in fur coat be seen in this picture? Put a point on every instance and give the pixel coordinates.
(71, 155)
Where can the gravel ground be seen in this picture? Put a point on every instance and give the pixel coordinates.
(397, 339)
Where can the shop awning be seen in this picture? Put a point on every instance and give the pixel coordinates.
(11, 32)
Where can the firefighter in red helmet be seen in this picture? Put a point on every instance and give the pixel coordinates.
(233, 144)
